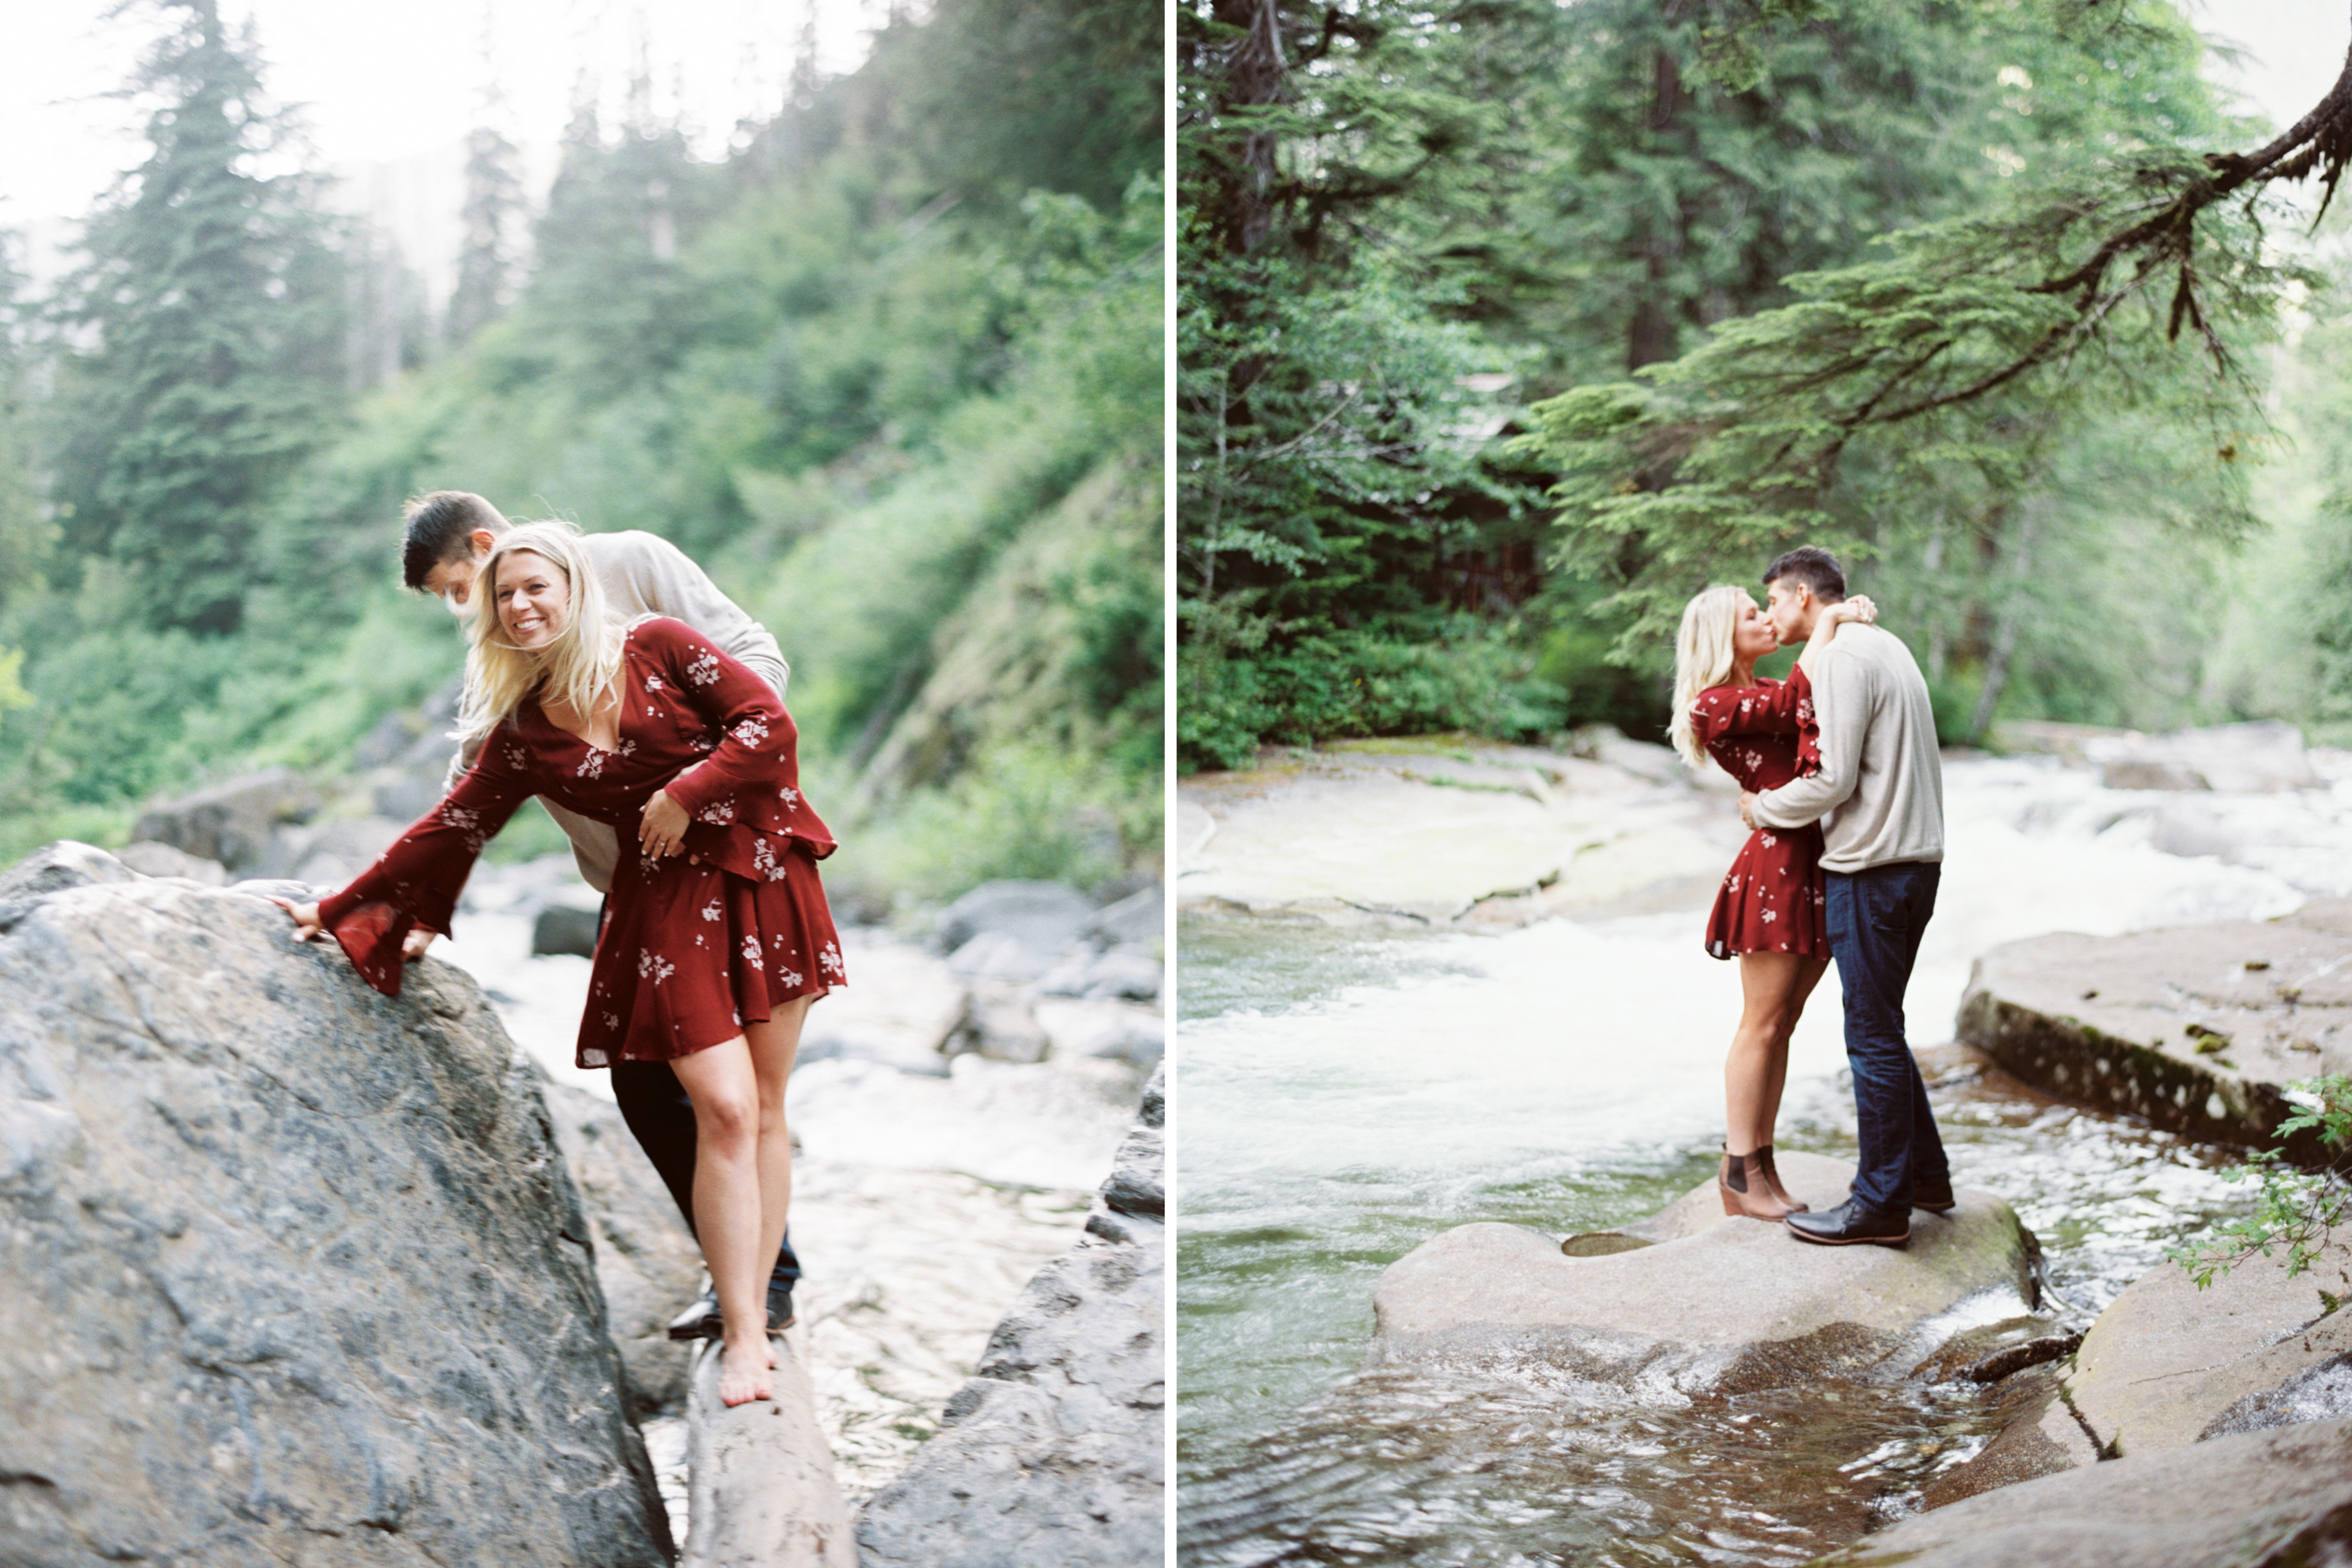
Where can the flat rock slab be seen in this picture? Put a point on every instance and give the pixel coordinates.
(2167, 1365)
(290, 1272)
(2193, 1027)
(1422, 833)
(2279, 1498)
(1486, 1293)
(761, 1491)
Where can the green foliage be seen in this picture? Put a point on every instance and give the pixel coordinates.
(212, 304)
(2294, 1209)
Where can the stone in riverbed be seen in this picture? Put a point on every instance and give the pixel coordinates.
(1051, 1456)
(1490, 1293)
(235, 823)
(2194, 1027)
(2167, 1365)
(290, 1271)
(2279, 1498)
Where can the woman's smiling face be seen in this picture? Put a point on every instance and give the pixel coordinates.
(533, 599)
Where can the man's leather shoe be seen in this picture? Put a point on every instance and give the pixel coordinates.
(701, 1322)
(1850, 1223)
(1935, 1199)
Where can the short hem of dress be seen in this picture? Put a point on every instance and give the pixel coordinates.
(1728, 951)
(817, 993)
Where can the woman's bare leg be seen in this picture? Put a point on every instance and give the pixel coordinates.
(773, 1044)
(725, 1088)
(1758, 1063)
(1808, 976)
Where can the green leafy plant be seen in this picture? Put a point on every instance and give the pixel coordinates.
(2293, 1208)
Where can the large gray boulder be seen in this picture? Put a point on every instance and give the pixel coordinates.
(1051, 1456)
(1646, 1303)
(235, 822)
(2167, 1365)
(2280, 1499)
(2196, 1028)
(290, 1271)
(2262, 757)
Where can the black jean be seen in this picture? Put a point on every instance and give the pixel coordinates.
(1876, 920)
(655, 1105)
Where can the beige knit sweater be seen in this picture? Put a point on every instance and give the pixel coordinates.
(1880, 793)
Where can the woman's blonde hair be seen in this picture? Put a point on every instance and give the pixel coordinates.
(577, 666)
(1703, 657)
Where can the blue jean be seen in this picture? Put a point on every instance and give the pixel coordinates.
(1877, 916)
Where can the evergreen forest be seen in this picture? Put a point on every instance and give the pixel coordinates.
(1505, 326)
(890, 370)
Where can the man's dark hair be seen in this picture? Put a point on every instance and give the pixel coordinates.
(437, 526)
(1810, 567)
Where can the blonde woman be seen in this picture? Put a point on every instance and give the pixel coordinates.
(716, 937)
(1768, 911)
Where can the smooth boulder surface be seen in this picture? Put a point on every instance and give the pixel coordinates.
(2262, 757)
(290, 1271)
(1051, 1456)
(2167, 1365)
(2279, 1498)
(1502, 1293)
(2196, 1028)
(235, 822)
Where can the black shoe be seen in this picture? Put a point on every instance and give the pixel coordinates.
(1935, 1197)
(1850, 1223)
(701, 1322)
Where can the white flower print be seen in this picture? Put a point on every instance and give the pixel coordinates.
(612, 1020)
(710, 910)
(789, 976)
(753, 732)
(751, 950)
(457, 816)
(1767, 841)
(518, 757)
(1770, 915)
(719, 813)
(704, 670)
(592, 767)
(830, 962)
(788, 795)
(651, 964)
(654, 683)
(763, 860)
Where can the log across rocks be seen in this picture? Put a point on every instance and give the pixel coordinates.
(290, 1271)
(1646, 1303)
(2277, 1498)
(1051, 1456)
(2196, 1028)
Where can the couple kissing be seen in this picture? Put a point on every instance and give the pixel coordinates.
(1842, 785)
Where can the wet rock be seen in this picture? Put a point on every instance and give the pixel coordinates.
(2045, 1438)
(1140, 918)
(2196, 1028)
(233, 823)
(647, 1262)
(2167, 1365)
(2256, 758)
(287, 1262)
(153, 859)
(1997, 1351)
(2263, 1500)
(1052, 1455)
(1491, 1293)
(564, 928)
(998, 1023)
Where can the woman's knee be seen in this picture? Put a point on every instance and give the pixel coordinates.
(727, 1117)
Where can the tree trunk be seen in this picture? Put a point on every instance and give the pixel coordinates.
(2007, 620)
(1651, 336)
(1254, 76)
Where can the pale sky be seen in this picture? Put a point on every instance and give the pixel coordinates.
(390, 91)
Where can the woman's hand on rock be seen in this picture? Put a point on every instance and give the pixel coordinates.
(661, 826)
(307, 923)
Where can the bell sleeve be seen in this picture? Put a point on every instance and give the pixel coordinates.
(418, 880)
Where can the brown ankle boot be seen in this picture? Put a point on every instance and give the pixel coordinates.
(1740, 1182)
(1772, 1182)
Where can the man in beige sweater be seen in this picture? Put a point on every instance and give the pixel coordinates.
(448, 537)
(1879, 796)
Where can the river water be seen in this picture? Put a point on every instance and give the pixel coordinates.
(1345, 1096)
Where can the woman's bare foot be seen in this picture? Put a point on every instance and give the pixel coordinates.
(743, 1372)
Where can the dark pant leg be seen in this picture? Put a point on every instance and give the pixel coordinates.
(658, 1112)
(1876, 920)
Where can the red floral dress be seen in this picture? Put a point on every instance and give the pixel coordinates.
(1772, 898)
(690, 952)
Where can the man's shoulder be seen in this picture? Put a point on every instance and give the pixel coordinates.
(629, 545)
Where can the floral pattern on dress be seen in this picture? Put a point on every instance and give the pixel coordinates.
(1771, 899)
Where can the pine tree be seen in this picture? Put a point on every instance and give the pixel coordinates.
(211, 304)
(493, 215)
